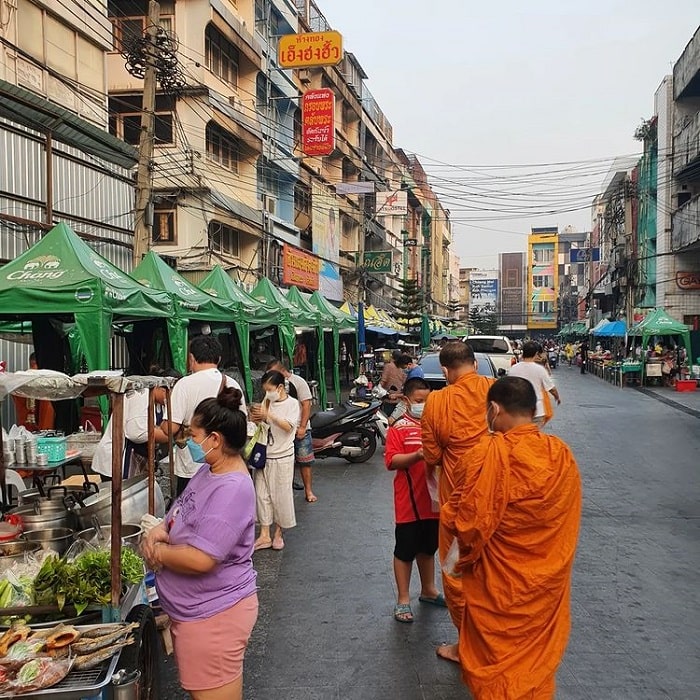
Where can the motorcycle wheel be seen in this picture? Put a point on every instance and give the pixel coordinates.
(369, 445)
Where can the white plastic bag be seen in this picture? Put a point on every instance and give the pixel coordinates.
(449, 563)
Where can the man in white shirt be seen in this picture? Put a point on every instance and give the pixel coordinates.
(204, 382)
(303, 445)
(135, 430)
(528, 368)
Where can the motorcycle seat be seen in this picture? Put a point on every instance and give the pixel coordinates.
(324, 418)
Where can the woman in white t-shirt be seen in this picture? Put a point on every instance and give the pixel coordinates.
(273, 484)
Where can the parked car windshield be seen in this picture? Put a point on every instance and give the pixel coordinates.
(486, 344)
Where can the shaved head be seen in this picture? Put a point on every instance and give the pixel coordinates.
(515, 395)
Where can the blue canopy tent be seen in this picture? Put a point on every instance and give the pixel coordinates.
(598, 328)
(613, 329)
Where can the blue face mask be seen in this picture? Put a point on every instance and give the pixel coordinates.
(197, 451)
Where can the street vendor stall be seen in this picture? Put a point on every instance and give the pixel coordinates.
(124, 600)
(62, 293)
(252, 314)
(189, 304)
(658, 324)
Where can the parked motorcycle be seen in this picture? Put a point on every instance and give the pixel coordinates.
(349, 431)
(553, 358)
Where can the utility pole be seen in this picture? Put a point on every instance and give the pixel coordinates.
(144, 185)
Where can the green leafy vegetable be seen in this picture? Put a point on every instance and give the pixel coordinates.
(86, 580)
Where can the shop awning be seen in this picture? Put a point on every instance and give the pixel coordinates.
(25, 107)
(381, 330)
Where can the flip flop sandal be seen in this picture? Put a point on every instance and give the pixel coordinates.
(262, 544)
(403, 612)
(438, 600)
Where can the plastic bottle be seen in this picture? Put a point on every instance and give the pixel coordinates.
(151, 592)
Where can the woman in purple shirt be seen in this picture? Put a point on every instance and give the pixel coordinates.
(202, 554)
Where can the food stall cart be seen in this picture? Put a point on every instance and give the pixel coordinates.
(143, 654)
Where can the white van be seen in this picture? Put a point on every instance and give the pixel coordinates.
(497, 347)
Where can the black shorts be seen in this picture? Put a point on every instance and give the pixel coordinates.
(419, 537)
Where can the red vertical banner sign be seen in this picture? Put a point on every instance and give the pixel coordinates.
(318, 122)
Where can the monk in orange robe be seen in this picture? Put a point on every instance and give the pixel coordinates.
(454, 420)
(516, 521)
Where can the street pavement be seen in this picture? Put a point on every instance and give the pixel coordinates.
(326, 631)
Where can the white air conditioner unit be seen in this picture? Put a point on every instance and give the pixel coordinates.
(236, 102)
(270, 204)
(304, 76)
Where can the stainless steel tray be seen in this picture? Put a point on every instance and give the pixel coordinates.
(78, 684)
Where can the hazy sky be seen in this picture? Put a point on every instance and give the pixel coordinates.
(466, 84)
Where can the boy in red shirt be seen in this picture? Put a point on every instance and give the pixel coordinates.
(416, 521)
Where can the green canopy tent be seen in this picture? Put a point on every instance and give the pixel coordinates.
(251, 313)
(659, 323)
(340, 322)
(289, 316)
(189, 303)
(62, 277)
(320, 323)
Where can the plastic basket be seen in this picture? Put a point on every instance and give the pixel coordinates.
(54, 447)
(85, 441)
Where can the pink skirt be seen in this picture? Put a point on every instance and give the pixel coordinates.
(209, 653)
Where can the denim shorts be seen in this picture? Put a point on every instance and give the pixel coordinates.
(303, 450)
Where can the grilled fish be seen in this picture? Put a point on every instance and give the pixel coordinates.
(88, 646)
(102, 630)
(18, 632)
(40, 673)
(61, 636)
(88, 661)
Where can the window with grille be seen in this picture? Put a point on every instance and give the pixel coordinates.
(125, 118)
(222, 147)
(221, 55)
(224, 240)
(127, 30)
(164, 222)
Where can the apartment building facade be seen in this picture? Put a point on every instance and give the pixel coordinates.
(59, 161)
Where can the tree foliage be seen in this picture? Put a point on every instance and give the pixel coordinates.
(411, 298)
(482, 322)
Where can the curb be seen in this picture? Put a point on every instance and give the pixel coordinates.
(669, 402)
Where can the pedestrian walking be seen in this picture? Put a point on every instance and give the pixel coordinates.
(453, 422)
(416, 530)
(202, 556)
(514, 524)
(298, 388)
(584, 356)
(273, 483)
(392, 380)
(204, 382)
(541, 379)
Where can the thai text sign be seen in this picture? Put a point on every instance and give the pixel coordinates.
(299, 268)
(310, 49)
(688, 280)
(318, 122)
(392, 203)
(379, 261)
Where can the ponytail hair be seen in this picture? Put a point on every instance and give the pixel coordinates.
(222, 414)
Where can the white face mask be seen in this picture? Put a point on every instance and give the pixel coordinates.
(272, 396)
(416, 409)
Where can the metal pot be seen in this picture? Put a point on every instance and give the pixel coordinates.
(131, 534)
(12, 552)
(39, 517)
(56, 539)
(52, 498)
(134, 503)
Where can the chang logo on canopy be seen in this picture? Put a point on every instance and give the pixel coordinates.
(105, 270)
(184, 287)
(44, 267)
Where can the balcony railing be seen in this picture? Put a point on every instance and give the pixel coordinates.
(686, 143)
(685, 225)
